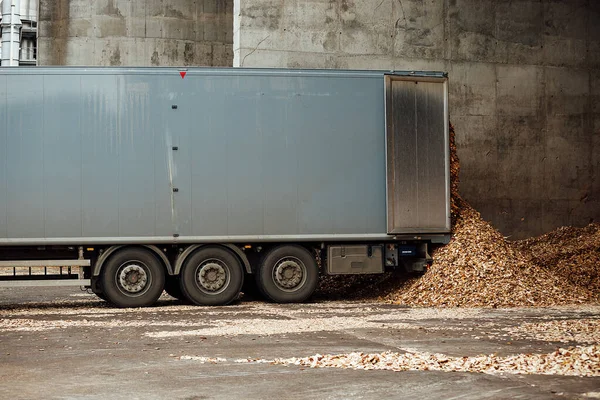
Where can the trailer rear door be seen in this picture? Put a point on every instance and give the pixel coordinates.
(417, 155)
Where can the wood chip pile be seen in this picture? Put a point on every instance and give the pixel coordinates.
(480, 268)
(571, 253)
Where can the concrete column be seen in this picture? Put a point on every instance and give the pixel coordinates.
(11, 38)
(236, 33)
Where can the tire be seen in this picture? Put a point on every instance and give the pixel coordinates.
(132, 277)
(173, 288)
(281, 286)
(212, 276)
(97, 289)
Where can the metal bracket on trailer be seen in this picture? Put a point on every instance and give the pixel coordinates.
(45, 263)
(47, 282)
(41, 281)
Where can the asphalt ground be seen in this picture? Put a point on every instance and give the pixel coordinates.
(62, 343)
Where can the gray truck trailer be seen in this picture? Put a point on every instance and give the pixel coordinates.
(128, 181)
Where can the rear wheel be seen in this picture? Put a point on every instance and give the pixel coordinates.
(97, 289)
(288, 274)
(212, 276)
(132, 277)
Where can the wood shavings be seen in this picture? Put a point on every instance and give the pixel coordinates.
(568, 330)
(479, 268)
(203, 360)
(573, 361)
(569, 252)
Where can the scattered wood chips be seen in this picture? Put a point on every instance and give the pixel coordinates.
(480, 268)
(571, 361)
(574, 361)
(585, 330)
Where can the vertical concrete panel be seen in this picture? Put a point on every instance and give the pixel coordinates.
(593, 35)
(567, 91)
(519, 31)
(471, 31)
(221, 54)
(594, 192)
(519, 90)
(135, 33)
(522, 216)
(132, 49)
(565, 32)
(418, 29)
(520, 172)
(567, 169)
(81, 49)
(59, 13)
(473, 89)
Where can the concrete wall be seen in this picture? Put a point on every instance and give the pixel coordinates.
(524, 86)
(135, 32)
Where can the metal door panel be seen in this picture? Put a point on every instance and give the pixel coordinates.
(417, 155)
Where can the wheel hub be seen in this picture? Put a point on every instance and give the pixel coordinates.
(133, 278)
(212, 276)
(288, 274)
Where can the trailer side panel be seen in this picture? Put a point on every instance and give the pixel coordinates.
(145, 156)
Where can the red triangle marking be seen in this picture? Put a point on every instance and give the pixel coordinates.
(182, 73)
